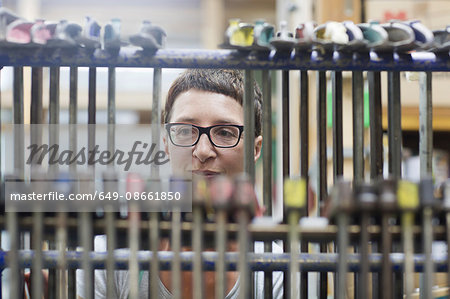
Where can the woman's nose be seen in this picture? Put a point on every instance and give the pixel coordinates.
(204, 149)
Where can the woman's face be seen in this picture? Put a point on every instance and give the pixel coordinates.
(206, 109)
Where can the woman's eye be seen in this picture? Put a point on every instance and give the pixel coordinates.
(226, 133)
(184, 131)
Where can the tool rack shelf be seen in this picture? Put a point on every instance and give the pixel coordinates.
(257, 232)
(322, 260)
(194, 58)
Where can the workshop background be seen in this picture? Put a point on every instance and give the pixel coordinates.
(200, 24)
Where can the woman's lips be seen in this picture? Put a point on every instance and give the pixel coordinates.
(206, 173)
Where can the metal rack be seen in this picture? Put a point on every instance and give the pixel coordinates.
(67, 231)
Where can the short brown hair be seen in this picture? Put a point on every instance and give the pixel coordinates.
(226, 82)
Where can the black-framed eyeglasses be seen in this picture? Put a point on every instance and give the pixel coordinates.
(186, 135)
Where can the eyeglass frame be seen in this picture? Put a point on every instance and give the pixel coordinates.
(204, 130)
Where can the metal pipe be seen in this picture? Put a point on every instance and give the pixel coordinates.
(133, 244)
(376, 132)
(73, 120)
(13, 255)
(36, 96)
(154, 247)
(304, 163)
(426, 190)
(267, 166)
(249, 125)
(176, 262)
(110, 184)
(426, 125)
(197, 246)
(156, 116)
(358, 126)
(285, 121)
(322, 161)
(18, 118)
(256, 261)
(267, 139)
(227, 59)
(111, 111)
(338, 145)
(36, 138)
(154, 216)
(394, 125)
(92, 108)
(61, 242)
(425, 156)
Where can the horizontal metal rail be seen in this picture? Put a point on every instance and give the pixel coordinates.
(257, 232)
(187, 58)
(256, 261)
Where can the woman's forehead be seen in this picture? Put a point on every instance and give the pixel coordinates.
(202, 106)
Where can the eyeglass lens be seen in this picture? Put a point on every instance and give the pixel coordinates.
(186, 135)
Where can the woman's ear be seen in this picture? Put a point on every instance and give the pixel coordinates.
(166, 144)
(258, 145)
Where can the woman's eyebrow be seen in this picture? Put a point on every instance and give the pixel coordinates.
(194, 120)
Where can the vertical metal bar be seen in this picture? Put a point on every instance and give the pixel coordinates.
(376, 133)
(285, 116)
(13, 256)
(53, 118)
(304, 162)
(197, 246)
(154, 216)
(267, 166)
(408, 241)
(109, 215)
(221, 245)
(73, 97)
(426, 154)
(86, 217)
(36, 96)
(243, 240)
(222, 188)
(18, 120)
(338, 145)
(92, 107)
(249, 125)
(61, 241)
(92, 95)
(358, 126)
(267, 137)
(294, 242)
(86, 238)
(285, 141)
(387, 202)
(110, 238)
(344, 197)
(16, 278)
(133, 234)
(111, 109)
(322, 160)
(394, 124)
(36, 135)
(426, 125)
(54, 95)
(154, 265)
(176, 248)
(53, 169)
(156, 116)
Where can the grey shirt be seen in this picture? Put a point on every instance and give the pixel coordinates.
(121, 279)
